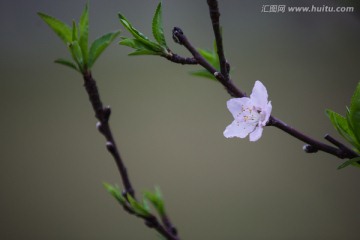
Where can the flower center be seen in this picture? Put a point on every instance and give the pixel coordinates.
(249, 114)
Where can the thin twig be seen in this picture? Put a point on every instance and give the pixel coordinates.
(182, 60)
(180, 38)
(103, 115)
(215, 20)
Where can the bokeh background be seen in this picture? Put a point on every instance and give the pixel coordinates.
(169, 125)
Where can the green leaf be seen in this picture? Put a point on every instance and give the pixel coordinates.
(115, 192)
(204, 74)
(140, 37)
(74, 32)
(157, 27)
(99, 45)
(212, 58)
(135, 44)
(60, 28)
(137, 207)
(350, 162)
(156, 200)
(77, 54)
(209, 56)
(143, 52)
(354, 115)
(67, 63)
(84, 33)
(341, 125)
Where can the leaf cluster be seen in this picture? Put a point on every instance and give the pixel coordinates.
(349, 126)
(141, 208)
(76, 39)
(141, 43)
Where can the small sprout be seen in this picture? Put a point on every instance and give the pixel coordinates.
(115, 192)
(156, 200)
(138, 208)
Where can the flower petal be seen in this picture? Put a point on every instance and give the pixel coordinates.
(236, 106)
(259, 95)
(267, 112)
(256, 134)
(238, 129)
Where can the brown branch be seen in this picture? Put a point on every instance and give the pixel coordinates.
(103, 115)
(314, 145)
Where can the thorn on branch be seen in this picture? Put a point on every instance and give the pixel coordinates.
(309, 148)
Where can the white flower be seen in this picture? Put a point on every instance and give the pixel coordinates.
(250, 114)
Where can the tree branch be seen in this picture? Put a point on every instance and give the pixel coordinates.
(215, 20)
(343, 152)
(103, 115)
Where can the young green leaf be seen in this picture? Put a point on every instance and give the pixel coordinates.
(204, 74)
(143, 52)
(60, 28)
(138, 35)
(212, 58)
(84, 33)
(115, 192)
(99, 45)
(151, 46)
(137, 207)
(74, 32)
(354, 114)
(157, 27)
(67, 63)
(77, 54)
(341, 125)
(141, 49)
(156, 200)
(353, 162)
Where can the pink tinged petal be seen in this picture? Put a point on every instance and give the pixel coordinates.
(256, 134)
(238, 129)
(259, 95)
(237, 105)
(268, 113)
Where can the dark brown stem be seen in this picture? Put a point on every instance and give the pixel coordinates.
(182, 60)
(341, 152)
(314, 145)
(227, 83)
(103, 115)
(215, 20)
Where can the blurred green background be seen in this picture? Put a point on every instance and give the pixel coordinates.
(169, 125)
